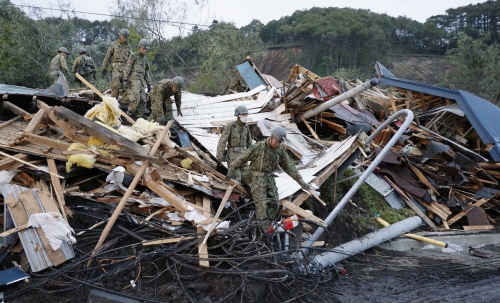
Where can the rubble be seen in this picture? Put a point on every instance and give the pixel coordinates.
(151, 190)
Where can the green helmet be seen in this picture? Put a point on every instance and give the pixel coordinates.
(124, 33)
(82, 50)
(240, 110)
(144, 43)
(279, 133)
(63, 50)
(178, 82)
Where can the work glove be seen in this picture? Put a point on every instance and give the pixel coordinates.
(126, 83)
(103, 72)
(149, 88)
(304, 185)
(179, 113)
(163, 121)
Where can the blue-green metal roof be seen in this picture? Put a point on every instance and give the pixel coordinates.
(483, 115)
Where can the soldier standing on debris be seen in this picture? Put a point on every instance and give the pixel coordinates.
(238, 139)
(84, 65)
(161, 103)
(58, 65)
(265, 157)
(120, 51)
(136, 77)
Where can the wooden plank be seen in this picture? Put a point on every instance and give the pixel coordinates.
(95, 90)
(301, 198)
(217, 214)
(31, 206)
(315, 196)
(478, 227)
(309, 127)
(129, 191)
(463, 213)
(17, 110)
(334, 125)
(302, 212)
(29, 164)
(98, 131)
(204, 202)
(9, 163)
(34, 121)
(10, 122)
(411, 204)
(57, 187)
(48, 142)
(423, 179)
(166, 241)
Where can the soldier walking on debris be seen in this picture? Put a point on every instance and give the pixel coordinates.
(136, 77)
(238, 139)
(265, 157)
(161, 103)
(58, 65)
(119, 51)
(84, 65)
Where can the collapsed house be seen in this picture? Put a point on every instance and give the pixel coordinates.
(160, 187)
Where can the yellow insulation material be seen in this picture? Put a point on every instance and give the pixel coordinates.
(146, 127)
(186, 163)
(81, 160)
(107, 111)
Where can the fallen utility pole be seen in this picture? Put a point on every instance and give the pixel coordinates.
(368, 171)
(348, 94)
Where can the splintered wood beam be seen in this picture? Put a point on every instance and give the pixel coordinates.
(334, 126)
(463, 213)
(204, 202)
(302, 212)
(128, 193)
(34, 122)
(98, 131)
(166, 241)
(95, 90)
(17, 110)
(49, 143)
(216, 217)
(57, 187)
(9, 163)
(309, 127)
(7, 123)
(29, 164)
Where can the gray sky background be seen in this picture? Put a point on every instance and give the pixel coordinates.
(242, 12)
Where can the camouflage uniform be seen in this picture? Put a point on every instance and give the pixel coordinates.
(58, 64)
(238, 138)
(120, 53)
(161, 103)
(137, 71)
(84, 65)
(265, 161)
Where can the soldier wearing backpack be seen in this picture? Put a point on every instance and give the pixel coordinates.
(84, 65)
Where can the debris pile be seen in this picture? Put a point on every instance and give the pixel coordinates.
(146, 199)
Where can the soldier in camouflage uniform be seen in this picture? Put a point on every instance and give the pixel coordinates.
(238, 139)
(58, 65)
(84, 65)
(119, 51)
(136, 77)
(161, 103)
(265, 158)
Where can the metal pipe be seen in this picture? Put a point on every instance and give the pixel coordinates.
(367, 172)
(356, 246)
(348, 94)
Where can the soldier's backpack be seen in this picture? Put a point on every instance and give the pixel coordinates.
(89, 66)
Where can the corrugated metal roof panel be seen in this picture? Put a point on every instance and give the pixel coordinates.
(34, 248)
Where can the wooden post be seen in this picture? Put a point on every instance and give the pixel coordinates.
(57, 186)
(95, 90)
(309, 127)
(214, 221)
(130, 189)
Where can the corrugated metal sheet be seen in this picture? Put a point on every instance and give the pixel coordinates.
(36, 253)
(252, 79)
(482, 114)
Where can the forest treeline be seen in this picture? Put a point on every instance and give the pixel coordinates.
(332, 41)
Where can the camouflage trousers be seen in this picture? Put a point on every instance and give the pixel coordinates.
(136, 99)
(54, 76)
(242, 174)
(117, 80)
(159, 108)
(264, 187)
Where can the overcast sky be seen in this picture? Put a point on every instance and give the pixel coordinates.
(242, 12)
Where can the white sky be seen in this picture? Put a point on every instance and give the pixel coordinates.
(242, 12)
